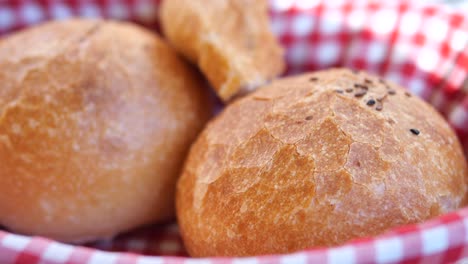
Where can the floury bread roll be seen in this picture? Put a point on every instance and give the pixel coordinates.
(95, 121)
(316, 160)
(229, 40)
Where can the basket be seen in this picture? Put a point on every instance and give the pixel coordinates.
(421, 47)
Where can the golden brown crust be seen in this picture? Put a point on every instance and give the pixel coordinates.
(304, 163)
(95, 121)
(229, 40)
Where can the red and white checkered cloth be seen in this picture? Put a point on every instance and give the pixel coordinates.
(424, 48)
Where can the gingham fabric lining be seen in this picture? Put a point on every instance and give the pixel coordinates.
(443, 240)
(422, 47)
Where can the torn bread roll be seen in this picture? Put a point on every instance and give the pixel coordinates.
(229, 40)
(317, 160)
(95, 121)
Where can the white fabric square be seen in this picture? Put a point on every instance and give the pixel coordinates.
(245, 261)
(7, 18)
(15, 242)
(89, 9)
(356, 19)
(434, 240)
(384, 21)
(436, 29)
(303, 24)
(388, 250)
(394, 76)
(60, 11)
(103, 257)
(32, 13)
(197, 261)
(459, 118)
(427, 59)
(417, 86)
(410, 23)
(376, 51)
(281, 5)
(459, 40)
(331, 23)
(150, 260)
(57, 252)
(327, 52)
(305, 4)
(342, 255)
(117, 10)
(298, 258)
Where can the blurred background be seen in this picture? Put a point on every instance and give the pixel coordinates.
(454, 3)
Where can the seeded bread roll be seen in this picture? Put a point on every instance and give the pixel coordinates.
(95, 121)
(316, 160)
(229, 40)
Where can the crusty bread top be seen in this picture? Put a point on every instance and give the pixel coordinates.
(316, 160)
(229, 40)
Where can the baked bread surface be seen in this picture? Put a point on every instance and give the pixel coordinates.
(229, 40)
(95, 121)
(317, 160)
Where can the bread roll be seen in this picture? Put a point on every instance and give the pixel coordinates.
(316, 160)
(95, 121)
(229, 40)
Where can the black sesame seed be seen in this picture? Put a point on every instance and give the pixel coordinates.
(367, 81)
(309, 118)
(414, 131)
(362, 86)
(349, 90)
(391, 92)
(313, 79)
(371, 102)
(339, 91)
(360, 94)
(407, 94)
